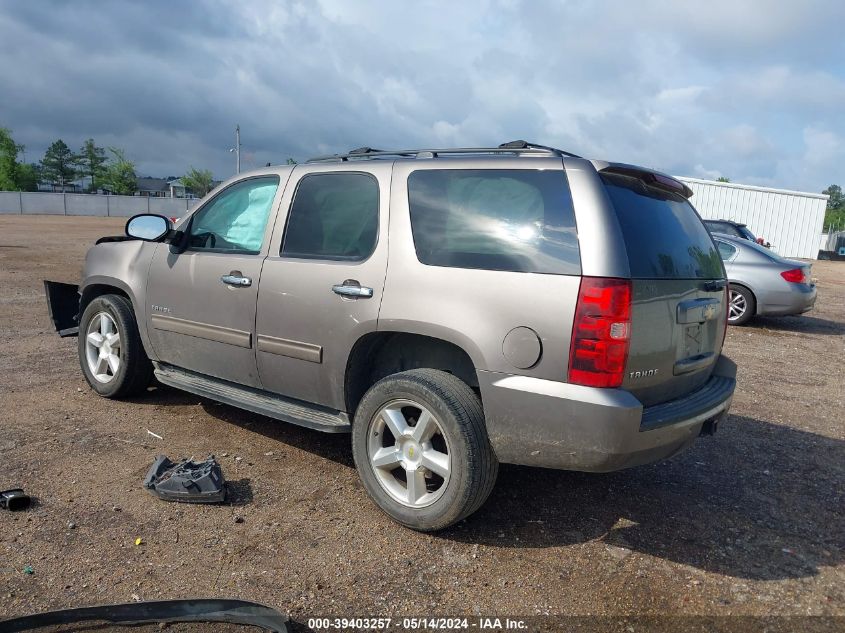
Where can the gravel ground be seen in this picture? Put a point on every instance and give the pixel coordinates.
(749, 522)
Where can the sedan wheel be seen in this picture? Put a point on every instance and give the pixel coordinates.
(102, 347)
(741, 306)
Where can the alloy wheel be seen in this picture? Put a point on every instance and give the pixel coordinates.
(102, 347)
(737, 307)
(409, 454)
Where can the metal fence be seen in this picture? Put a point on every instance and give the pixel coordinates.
(43, 203)
(790, 220)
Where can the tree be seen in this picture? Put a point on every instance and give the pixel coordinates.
(119, 176)
(8, 161)
(723, 179)
(58, 164)
(835, 213)
(92, 160)
(15, 176)
(198, 180)
(290, 161)
(28, 176)
(836, 199)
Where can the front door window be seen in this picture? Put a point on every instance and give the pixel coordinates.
(234, 221)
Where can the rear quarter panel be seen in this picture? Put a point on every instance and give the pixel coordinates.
(774, 295)
(759, 273)
(475, 309)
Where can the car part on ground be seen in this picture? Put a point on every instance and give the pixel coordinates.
(14, 500)
(763, 283)
(158, 612)
(186, 481)
(581, 301)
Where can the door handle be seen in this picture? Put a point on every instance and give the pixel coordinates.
(351, 288)
(235, 278)
(716, 284)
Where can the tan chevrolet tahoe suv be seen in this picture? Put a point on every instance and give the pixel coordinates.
(450, 309)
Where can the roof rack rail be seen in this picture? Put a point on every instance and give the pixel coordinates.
(513, 147)
(526, 145)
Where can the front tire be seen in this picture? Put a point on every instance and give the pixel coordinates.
(111, 354)
(421, 449)
(742, 306)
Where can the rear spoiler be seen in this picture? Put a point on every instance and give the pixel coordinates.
(650, 177)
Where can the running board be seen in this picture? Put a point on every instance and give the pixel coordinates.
(255, 400)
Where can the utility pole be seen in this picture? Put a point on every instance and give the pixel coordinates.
(237, 148)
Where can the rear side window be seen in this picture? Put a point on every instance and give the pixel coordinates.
(726, 251)
(663, 234)
(333, 216)
(494, 219)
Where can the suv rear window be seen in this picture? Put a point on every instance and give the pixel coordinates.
(517, 220)
(726, 251)
(663, 234)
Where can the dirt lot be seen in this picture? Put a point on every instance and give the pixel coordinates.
(751, 521)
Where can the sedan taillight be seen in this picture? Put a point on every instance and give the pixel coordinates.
(795, 276)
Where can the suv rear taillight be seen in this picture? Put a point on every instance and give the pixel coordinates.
(795, 276)
(601, 332)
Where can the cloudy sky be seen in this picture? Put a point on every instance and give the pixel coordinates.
(752, 90)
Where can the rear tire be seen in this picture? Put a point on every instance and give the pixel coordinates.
(111, 354)
(421, 449)
(743, 305)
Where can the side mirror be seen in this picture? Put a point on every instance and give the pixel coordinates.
(148, 227)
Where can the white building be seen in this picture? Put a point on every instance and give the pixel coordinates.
(791, 220)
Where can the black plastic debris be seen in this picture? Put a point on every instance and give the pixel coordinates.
(164, 611)
(15, 499)
(187, 481)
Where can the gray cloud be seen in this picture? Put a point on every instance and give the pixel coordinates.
(749, 89)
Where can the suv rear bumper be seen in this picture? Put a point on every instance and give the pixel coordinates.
(552, 424)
